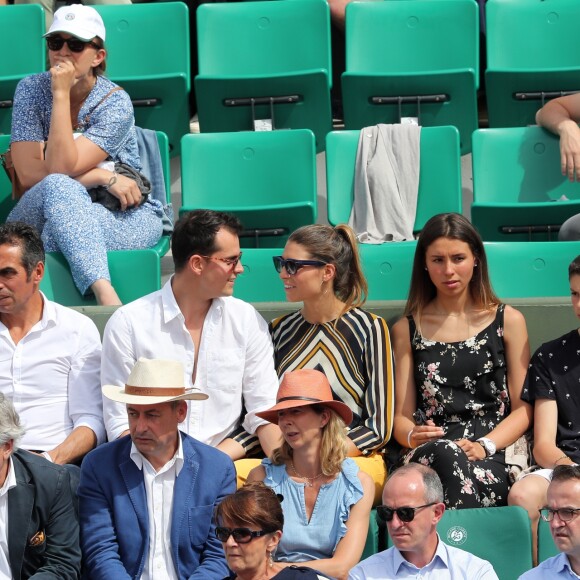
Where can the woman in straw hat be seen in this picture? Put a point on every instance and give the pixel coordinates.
(327, 500)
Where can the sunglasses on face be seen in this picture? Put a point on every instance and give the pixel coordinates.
(405, 514)
(241, 535)
(292, 266)
(74, 44)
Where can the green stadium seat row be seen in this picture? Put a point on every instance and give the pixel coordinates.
(134, 273)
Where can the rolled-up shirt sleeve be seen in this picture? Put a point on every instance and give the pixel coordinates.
(84, 389)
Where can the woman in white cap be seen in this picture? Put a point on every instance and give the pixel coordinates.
(72, 129)
(327, 500)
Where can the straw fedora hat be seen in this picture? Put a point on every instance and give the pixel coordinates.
(153, 381)
(305, 387)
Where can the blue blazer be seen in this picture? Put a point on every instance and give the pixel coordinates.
(43, 532)
(114, 518)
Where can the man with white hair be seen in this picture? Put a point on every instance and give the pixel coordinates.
(39, 532)
(147, 500)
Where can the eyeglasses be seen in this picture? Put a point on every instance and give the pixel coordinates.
(292, 266)
(565, 514)
(405, 514)
(231, 262)
(241, 535)
(75, 44)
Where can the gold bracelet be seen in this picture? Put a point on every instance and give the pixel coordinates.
(560, 458)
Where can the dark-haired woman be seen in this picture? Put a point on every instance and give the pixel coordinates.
(69, 127)
(461, 360)
(321, 268)
(249, 524)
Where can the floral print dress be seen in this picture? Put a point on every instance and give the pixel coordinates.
(462, 387)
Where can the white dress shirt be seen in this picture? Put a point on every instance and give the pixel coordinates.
(448, 563)
(159, 491)
(235, 365)
(9, 483)
(52, 376)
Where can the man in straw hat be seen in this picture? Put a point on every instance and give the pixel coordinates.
(223, 343)
(146, 501)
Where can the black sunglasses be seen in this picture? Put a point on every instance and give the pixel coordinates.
(75, 45)
(241, 535)
(292, 266)
(405, 514)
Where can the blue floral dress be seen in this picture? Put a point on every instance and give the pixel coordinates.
(462, 387)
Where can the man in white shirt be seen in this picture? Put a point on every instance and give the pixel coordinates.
(39, 532)
(147, 501)
(223, 342)
(562, 512)
(413, 505)
(50, 356)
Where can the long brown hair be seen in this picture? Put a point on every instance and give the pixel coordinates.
(337, 246)
(457, 227)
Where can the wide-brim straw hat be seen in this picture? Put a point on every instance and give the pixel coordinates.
(305, 387)
(154, 381)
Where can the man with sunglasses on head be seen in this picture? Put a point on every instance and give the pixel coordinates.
(223, 342)
(562, 511)
(413, 505)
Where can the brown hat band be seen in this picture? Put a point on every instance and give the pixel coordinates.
(153, 392)
(299, 399)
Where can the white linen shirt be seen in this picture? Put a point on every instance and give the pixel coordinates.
(9, 483)
(52, 377)
(448, 563)
(159, 492)
(235, 364)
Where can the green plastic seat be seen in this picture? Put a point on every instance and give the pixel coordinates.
(260, 281)
(500, 535)
(6, 201)
(158, 77)
(530, 269)
(546, 546)
(263, 50)
(23, 52)
(439, 177)
(268, 179)
(532, 48)
(518, 188)
(412, 59)
(372, 543)
(134, 273)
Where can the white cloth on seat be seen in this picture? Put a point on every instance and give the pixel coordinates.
(386, 183)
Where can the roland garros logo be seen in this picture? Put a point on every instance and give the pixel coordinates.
(457, 535)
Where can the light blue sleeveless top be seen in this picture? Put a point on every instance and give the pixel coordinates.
(315, 539)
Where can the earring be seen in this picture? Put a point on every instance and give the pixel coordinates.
(270, 559)
(425, 267)
(475, 264)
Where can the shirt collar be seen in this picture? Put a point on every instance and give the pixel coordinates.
(49, 316)
(10, 480)
(563, 563)
(139, 459)
(171, 309)
(440, 553)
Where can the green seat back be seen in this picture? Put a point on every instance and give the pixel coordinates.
(372, 543)
(260, 281)
(264, 49)
(500, 535)
(439, 177)
(268, 179)
(517, 183)
(6, 201)
(23, 52)
(546, 546)
(402, 49)
(134, 273)
(157, 79)
(532, 46)
(530, 269)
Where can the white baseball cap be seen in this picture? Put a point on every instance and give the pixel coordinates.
(81, 21)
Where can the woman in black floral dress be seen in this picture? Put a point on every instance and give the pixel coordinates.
(461, 358)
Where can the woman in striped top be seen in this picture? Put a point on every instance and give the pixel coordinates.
(321, 268)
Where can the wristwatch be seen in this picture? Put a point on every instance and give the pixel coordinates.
(488, 446)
